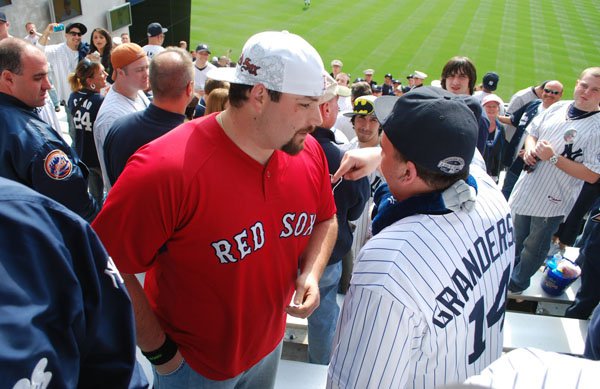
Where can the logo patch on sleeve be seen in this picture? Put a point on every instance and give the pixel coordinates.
(57, 165)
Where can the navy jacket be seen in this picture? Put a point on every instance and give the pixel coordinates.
(64, 309)
(32, 153)
(520, 119)
(350, 196)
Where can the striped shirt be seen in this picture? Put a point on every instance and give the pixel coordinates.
(548, 191)
(426, 303)
(532, 368)
(362, 226)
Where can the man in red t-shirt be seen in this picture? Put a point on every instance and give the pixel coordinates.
(227, 215)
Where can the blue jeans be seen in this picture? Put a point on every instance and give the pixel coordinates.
(532, 236)
(322, 322)
(588, 296)
(261, 375)
(511, 177)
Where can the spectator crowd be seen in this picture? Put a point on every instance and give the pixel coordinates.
(248, 191)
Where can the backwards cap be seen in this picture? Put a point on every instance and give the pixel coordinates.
(126, 53)
(282, 62)
(430, 127)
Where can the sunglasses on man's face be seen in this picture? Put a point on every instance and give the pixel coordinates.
(552, 92)
(73, 33)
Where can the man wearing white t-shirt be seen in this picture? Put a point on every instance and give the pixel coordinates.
(130, 73)
(201, 68)
(156, 38)
(63, 57)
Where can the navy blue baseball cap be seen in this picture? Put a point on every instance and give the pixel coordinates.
(3, 17)
(203, 47)
(490, 81)
(431, 127)
(155, 29)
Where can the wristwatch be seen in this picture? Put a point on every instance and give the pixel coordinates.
(553, 159)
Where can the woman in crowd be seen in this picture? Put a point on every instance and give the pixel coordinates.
(495, 141)
(216, 100)
(102, 43)
(86, 83)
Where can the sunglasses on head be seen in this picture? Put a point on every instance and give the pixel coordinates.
(73, 33)
(86, 63)
(552, 92)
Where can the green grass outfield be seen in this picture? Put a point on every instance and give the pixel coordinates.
(523, 41)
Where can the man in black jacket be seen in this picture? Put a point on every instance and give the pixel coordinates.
(350, 198)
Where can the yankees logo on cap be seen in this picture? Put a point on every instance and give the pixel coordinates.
(57, 165)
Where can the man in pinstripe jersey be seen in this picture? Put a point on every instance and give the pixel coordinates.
(426, 303)
(564, 148)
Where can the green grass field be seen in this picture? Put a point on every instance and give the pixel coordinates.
(525, 42)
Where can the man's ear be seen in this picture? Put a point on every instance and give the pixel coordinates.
(325, 111)
(258, 97)
(189, 89)
(410, 174)
(7, 78)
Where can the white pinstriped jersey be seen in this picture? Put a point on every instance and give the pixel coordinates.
(535, 369)
(548, 191)
(427, 297)
(362, 230)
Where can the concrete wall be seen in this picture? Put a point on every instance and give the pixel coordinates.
(38, 11)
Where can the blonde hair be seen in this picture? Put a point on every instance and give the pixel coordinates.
(216, 100)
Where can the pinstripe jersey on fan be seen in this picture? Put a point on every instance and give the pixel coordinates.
(426, 304)
(549, 191)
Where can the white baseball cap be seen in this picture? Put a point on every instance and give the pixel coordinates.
(419, 75)
(282, 62)
(332, 89)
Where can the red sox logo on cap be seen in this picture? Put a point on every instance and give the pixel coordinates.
(247, 65)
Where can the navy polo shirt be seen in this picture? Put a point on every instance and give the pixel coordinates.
(133, 131)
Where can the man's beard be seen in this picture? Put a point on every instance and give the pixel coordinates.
(293, 147)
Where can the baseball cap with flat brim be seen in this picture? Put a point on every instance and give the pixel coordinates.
(82, 28)
(363, 105)
(431, 127)
(282, 62)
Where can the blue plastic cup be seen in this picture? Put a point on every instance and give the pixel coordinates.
(555, 283)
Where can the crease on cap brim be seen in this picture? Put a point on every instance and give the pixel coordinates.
(332, 89)
(383, 107)
(222, 74)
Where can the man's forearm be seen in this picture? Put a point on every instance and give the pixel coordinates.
(577, 170)
(530, 143)
(150, 335)
(319, 248)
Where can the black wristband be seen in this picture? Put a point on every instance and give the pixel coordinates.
(163, 354)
